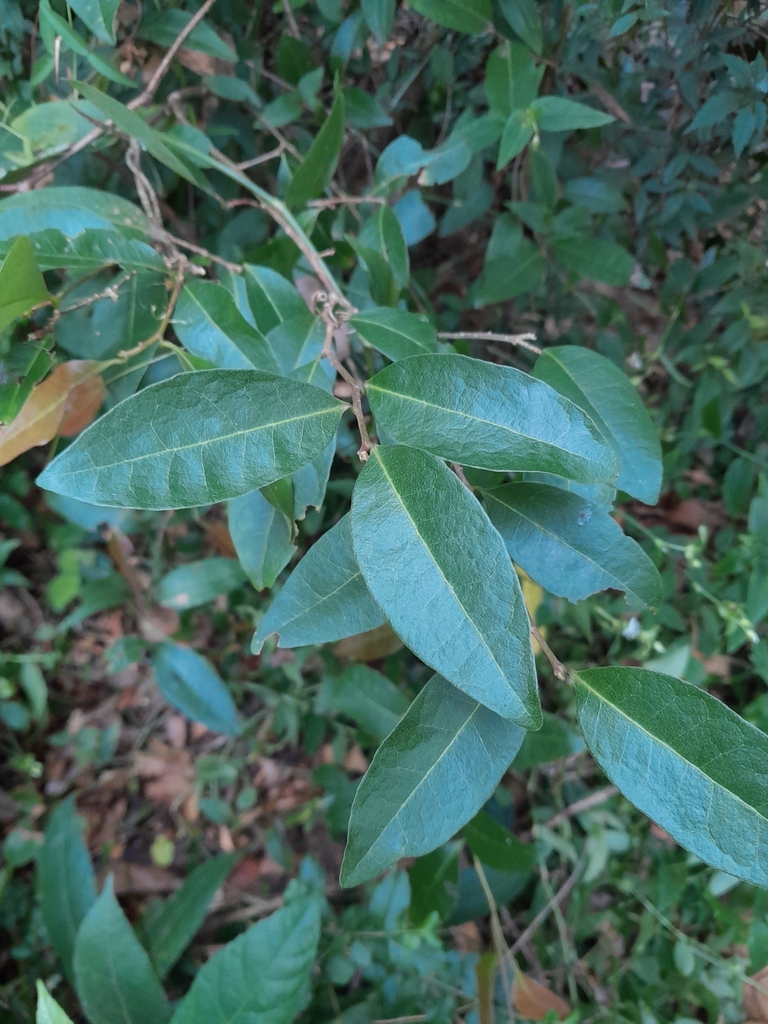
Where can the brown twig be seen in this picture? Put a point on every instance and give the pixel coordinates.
(236, 268)
(332, 320)
(561, 672)
(585, 804)
(323, 204)
(523, 340)
(546, 910)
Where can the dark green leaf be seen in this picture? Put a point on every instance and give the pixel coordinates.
(523, 16)
(53, 27)
(570, 546)
(595, 258)
(434, 882)
(262, 537)
(261, 977)
(379, 16)
(164, 26)
(271, 296)
(394, 332)
(439, 571)
(196, 583)
(605, 394)
(512, 79)
(190, 683)
(554, 740)
(515, 137)
(363, 110)
(22, 287)
(684, 759)
(209, 325)
(714, 110)
(195, 439)
(469, 16)
(99, 16)
(370, 699)
(296, 341)
(428, 778)
(488, 416)
(393, 247)
(558, 114)
(325, 598)
(65, 880)
(319, 163)
(113, 975)
(175, 926)
(495, 845)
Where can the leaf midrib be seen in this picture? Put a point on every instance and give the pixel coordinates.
(437, 565)
(663, 743)
(488, 423)
(202, 444)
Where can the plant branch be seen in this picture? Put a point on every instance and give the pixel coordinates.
(561, 672)
(585, 804)
(332, 321)
(546, 910)
(523, 340)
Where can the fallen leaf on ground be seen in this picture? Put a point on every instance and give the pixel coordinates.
(755, 1001)
(169, 772)
(533, 1000)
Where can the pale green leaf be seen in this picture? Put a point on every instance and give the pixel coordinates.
(191, 684)
(605, 394)
(429, 777)
(395, 332)
(441, 574)
(196, 438)
(469, 16)
(262, 976)
(325, 598)
(210, 326)
(558, 114)
(99, 16)
(196, 583)
(22, 287)
(569, 545)
(296, 341)
(515, 137)
(487, 416)
(48, 1010)
(113, 975)
(91, 249)
(262, 536)
(70, 209)
(684, 759)
(271, 296)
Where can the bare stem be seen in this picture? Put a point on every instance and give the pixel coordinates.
(585, 804)
(545, 911)
(561, 672)
(356, 387)
(523, 340)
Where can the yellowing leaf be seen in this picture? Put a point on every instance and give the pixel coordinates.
(41, 416)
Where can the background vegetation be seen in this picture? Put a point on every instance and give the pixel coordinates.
(641, 237)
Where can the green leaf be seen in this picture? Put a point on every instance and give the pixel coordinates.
(175, 926)
(210, 326)
(113, 974)
(163, 27)
(394, 332)
(381, 282)
(434, 882)
(99, 16)
(22, 287)
(271, 296)
(714, 110)
(379, 17)
(136, 127)
(71, 210)
(512, 79)
(93, 248)
(325, 598)
(195, 439)
(53, 27)
(65, 880)
(487, 416)
(370, 699)
(468, 16)
(495, 845)
(524, 17)
(439, 571)
(595, 258)
(191, 684)
(515, 137)
(684, 759)
(557, 114)
(262, 537)
(196, 583)
(296, 341)
(319, 163)
(570, 546)
(261, 977)
(554, 740)
(363, 110)
(393, 247)
(48, 1010)
(605, 394)
(428, 778)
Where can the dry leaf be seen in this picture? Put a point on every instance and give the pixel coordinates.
(169, 772)
(376, 643)
(356, 761)
(142, 878)
(219, 535)
(41, 415)
(756, 1002)
(81, 406)
(533, 1000)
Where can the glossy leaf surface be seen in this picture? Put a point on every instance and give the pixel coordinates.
(262, 536)
(440, 572)
(487, 416)
(684, 759)
(209, 325)
(325, 598)
(271, 296)
(172, 930)
(570, 545)
(191, 684)
(195, 439)
(261, 977)
(113, 974)
(65, 880)
(428, 778)
(599, 387)
(395, 332)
